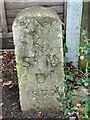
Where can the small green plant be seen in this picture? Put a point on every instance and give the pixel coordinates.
(85, 82)
(84, 49)
(71, 81)
(86, 108)
(85, 60)
(70, 84)
(65, 99)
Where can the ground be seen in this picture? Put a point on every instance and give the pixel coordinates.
(10, 91)
(10, 96)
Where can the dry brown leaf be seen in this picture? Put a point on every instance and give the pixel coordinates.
(1, 57)
(7, 83)
(78, 105)
(40, 114)
(80, 117)
(1, 104)
(1, 80)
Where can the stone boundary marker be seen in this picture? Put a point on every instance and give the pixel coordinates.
(37, 33)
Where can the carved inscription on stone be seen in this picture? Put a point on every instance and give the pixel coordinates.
(43, 93)
(37, 34)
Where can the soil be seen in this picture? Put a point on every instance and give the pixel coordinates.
(10, 92)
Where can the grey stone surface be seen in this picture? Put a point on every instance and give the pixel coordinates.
(73, 25)
(37, 34)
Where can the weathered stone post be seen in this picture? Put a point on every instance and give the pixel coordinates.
(37, 34)
(73, 26)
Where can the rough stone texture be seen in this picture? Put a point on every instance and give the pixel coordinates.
(73, 25)
(37, 34)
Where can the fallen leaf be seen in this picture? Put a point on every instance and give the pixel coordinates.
(7, 83)
(80, 117)
(40, 114)
(1, 80)
(78, 105)
(81, 110)
(77, 113)
(1, 104)
(1, 117)
(1, 57)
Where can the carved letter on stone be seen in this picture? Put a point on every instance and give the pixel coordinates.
(40, 78)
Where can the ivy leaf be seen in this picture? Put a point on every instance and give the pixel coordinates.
(65, 48)
(86, 84)
(84, 32)
(78, 54)
(69, 77)
(74, 109)
(89, 44)
(85, 47)
(86, 109)
(86, 52)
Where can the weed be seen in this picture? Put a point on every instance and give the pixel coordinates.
(75, 78)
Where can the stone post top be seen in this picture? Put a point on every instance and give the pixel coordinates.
(37, 11)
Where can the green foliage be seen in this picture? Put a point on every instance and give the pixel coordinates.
(66, 101)
(70, 83)
(65, 49)
(83, 82)
(84, 49)
(86, 107)
(65, 98)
